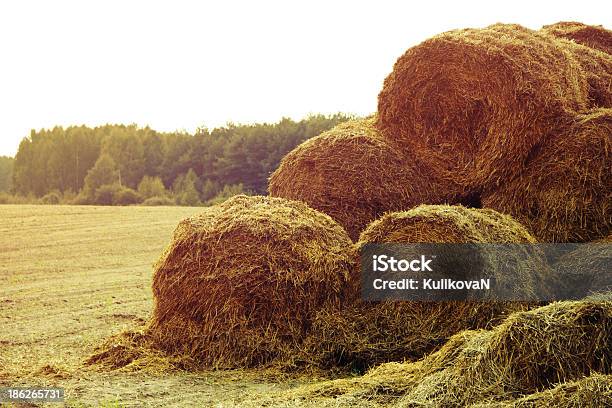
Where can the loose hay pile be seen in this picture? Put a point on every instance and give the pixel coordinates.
(529, 353)
(476, 101)
(364, 334)
(592, 36)
(239, 283)
(593, 391)
(565, 192)
(352, 174)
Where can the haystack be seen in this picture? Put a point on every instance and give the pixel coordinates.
(565, 192)
(590, 35)
(353, 175)
(528, 353)
(240, 283)
(476, 101)
(364, 334)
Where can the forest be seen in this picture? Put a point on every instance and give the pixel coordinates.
(127, 164)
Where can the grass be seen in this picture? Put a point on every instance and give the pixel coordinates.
(71, 276)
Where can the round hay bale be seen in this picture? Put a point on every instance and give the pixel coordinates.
(476, 101)
(457, 224)
(592, 36)
(240, 283)
(352, 174)
(565, 192)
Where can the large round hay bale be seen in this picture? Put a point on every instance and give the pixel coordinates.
(476, 101)
(597, 37)
(352, 174)
(364, 334)
(458, 224)
(565, 192)
(239, 283)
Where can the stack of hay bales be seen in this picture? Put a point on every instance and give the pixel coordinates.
(494, 107)
(354, 175)
(364, 334)
(463, 115)
(515, 120)
(240, 283)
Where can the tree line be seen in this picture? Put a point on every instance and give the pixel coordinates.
(126, 164)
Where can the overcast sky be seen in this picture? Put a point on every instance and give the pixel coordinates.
(184, 64)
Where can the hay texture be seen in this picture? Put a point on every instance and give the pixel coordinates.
(364, 334)
(354, 176)
(476, 101)
(585, 271)
(565, 191)
(592, 36)
(239, 283)
(528, 353)
(597, 68)
(593, 391)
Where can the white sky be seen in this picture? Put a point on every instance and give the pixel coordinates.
(183, 64)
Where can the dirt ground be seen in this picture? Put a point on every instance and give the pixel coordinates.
(70, 277)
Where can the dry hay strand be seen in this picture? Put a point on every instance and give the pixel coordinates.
(476, 101)
(528, 353)
(240, 283)
(597, 37)
(364, 334)
(565, 192)
(354, 176)
(134, 351)
(594, 391)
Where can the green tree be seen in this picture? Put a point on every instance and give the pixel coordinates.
(185, 189)
(6, 173)
(104, 172)
(151, 187)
